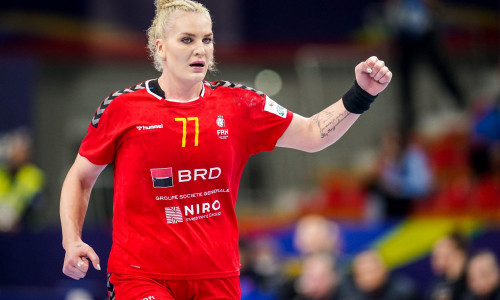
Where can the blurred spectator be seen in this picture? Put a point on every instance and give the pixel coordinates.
(485, 155)
(403, 174)
(416, 29)
(319, 279)
(248, 277)
(483, 277)
(21, 182)
(260, 268)
(448, 261)
(439, 256)
(266, 262)
(314, 234)
(79, 294)
(485, 135)
(372, 280)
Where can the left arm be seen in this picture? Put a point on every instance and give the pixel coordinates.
(326, 127)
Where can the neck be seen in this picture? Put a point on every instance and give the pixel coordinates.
(182, 91)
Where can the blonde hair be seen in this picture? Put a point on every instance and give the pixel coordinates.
(164, 10)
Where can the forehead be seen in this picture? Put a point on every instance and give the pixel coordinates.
(482, 263)
(443, 244)
(190, 22)
(371, 259)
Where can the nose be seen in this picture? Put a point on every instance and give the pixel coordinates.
(200, 49)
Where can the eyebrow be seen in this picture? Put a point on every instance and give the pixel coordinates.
(192, 35)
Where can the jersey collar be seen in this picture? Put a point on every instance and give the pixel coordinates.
(153, 87)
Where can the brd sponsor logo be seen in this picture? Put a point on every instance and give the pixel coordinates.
(199, 174)
(163, 177)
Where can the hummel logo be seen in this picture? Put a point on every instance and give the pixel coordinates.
(142, 127)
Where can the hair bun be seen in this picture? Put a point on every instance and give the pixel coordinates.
(162, 4)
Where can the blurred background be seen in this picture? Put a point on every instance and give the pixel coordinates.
(420, 169)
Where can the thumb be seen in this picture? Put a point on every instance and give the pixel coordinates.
(94, 258)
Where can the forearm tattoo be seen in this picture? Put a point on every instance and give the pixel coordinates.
(328, 120)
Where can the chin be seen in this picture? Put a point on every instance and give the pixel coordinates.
(197, 76)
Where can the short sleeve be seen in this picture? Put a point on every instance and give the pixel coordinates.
(99, 145)
(268, 122)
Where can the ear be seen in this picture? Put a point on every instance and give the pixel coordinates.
(160, 48)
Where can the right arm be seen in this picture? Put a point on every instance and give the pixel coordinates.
(75, 197)
(326, 127)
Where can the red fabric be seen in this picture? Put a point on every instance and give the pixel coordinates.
(184, 226)
(123, 287)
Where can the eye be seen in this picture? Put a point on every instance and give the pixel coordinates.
(207, 40)
(186, 40)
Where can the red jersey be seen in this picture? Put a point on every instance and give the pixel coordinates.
(177, 168)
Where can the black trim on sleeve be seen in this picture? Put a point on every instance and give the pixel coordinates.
(222, 83)
(110, 98)
(111, 288)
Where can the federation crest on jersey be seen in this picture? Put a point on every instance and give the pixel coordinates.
(274, 108)
(220, 121)
(222, 133)
(162, 177)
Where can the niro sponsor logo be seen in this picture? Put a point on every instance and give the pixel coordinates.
(174, 215)
(203, 208)
(192, 212)
(144, 127)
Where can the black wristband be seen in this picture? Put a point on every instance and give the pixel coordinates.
(356, 100)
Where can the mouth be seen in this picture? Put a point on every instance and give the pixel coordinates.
(197, 64)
